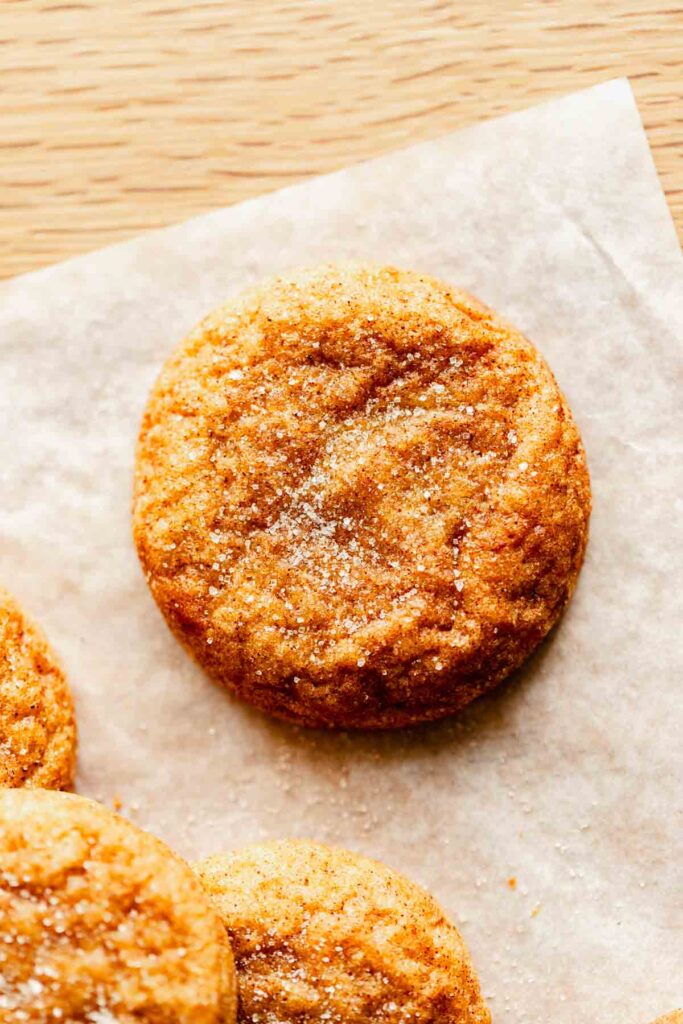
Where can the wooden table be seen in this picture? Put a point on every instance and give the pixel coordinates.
(122, 115)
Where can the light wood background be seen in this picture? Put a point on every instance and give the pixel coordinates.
(121, 115)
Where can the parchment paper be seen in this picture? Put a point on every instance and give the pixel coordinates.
(567, 781)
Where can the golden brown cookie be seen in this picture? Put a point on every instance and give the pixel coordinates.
(101, 923)
(361, 499)
(37, 723)
(671, 1018)
(322, 934)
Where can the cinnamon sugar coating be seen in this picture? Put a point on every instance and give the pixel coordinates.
(101, 923)
(360, 498)
(324, 935)
(37, 722)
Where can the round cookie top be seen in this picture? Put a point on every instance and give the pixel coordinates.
(101, 923)
(322, 934)
(37, 723)
(676, 1017)
(360, 499)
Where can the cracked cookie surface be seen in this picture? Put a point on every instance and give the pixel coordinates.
(101, 923)
(361, 499)
(37, 722)
(323, 934)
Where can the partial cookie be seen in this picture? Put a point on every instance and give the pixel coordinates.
(360, 499)
(37, 722)
(322, 934)
(671, 1018)
(101, 923)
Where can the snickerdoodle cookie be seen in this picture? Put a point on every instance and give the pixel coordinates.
(37, 723)
(360, 499)
(100, 922)
(670, 1018)
(322, 934)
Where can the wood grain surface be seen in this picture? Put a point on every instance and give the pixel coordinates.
(122, 115)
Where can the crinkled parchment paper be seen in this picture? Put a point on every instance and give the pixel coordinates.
(547, 819)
